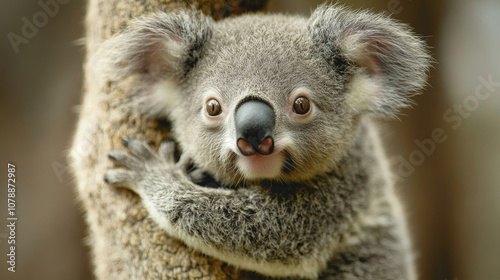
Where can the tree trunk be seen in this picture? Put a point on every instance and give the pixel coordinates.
(124, 242)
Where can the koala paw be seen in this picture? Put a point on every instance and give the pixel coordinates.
(141, 164)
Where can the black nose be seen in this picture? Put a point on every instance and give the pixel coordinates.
(254, 121)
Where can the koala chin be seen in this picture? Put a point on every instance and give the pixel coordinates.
(278, 110)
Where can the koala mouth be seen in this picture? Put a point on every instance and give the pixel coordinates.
(261, 166)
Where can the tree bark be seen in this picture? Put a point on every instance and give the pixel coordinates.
(124, 242)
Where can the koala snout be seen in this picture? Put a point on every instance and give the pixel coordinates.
(254, 122)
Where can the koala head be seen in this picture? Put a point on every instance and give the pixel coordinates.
(268, 97)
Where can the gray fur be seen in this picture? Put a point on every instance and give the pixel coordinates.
(331, 212)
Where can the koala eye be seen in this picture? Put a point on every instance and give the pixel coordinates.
(301, 105)
(213, 107)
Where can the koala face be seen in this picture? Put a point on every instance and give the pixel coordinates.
(269, 97)
(271, 61)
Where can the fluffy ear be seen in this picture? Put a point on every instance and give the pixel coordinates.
(160, 45)
(391, 64)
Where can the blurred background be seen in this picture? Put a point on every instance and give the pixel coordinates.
(445, 151)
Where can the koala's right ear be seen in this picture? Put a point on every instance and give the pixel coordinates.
(163, 46)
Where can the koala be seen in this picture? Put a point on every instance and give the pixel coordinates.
(281, 170)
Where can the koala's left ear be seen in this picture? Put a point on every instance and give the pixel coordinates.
(392, 63)
(161, 45)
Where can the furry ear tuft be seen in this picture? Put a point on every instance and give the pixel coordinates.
(393, 60)
(161, 45)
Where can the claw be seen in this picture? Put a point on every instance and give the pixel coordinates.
(197, 176)
(124, 159)
(119, 177)
(140, 150)
(167, 151)
(111, 156)
(106, 179)
(184, 161)
(125, 141)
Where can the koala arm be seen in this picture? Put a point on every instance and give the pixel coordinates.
(381, 252)
(274, 233)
